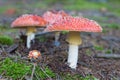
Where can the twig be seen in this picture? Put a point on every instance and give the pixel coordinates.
(101, 55)
(41, 33)
(111, 38)
(23, 76)
(3, 50)
(58, 77)
(86, 46)
(33, 70)
(18, 53)
(37, 76)
(2, 75)
(46, 73)
(12, 48)
(83, 64)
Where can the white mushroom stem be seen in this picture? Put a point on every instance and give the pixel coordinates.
(33, 37)
(57, 35)
(73, 56)
(28, 41)
(74, 42)
(30, 35)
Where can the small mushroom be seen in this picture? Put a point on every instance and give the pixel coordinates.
(53, 16)
(30, 23)
(34, 54)
(74, 25)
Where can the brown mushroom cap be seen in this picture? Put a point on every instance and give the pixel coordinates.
(28, 20)
(70, 23)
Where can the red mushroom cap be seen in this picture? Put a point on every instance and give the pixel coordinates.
(34, 54)
(27, 20)
(53, 16)
(70, 23)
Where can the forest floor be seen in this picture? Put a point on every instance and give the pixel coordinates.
(96, 54)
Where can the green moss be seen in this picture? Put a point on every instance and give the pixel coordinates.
(88, 52)
(108, 51)
(6, 40)
(99, 18)
(4, 8)
(114, 26)
(17, 70)
(78, 77)
(13, 69)
(83, 4)
(104, 30)
(97, 47)
(42, 38)
(44, 74)
(65, 32)
(111, 25)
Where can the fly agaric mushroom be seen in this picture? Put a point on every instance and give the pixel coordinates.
(51, 17)
(29, 22)
(34, 54)
(74, 25)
